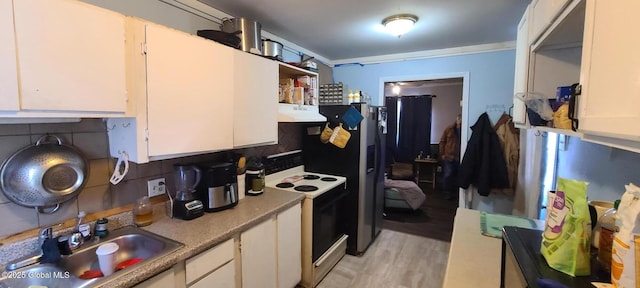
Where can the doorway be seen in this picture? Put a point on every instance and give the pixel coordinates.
(434, 219)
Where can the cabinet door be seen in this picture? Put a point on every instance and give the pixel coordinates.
(610, 70)
(189, 93)
(522, 69)
(224, 277)
(256, 100)
(289, 247)
(8, 66)
(71, 56)
(165, 279)
(208, 261)
(258, 251)
(543, 13)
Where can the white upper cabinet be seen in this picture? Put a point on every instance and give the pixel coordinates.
(188, 92)
(8, 67)
(610, 77)
(521, 70)
(543, 12)
(181, 92)
(71, 56)
(255, 118)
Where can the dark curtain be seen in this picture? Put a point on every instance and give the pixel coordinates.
(392, 129)
(414, 131)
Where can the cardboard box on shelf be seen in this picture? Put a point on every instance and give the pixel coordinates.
(286, 90)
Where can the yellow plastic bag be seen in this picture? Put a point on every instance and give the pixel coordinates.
(566, 237)
(625, 262)
(561, 117)
(340, 137)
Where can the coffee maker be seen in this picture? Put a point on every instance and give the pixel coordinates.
(185, 205)
(218, 189)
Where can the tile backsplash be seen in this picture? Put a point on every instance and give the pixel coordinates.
(90, 137)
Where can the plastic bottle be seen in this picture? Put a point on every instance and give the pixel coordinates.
(607, 232)
(356, 96)
(351, 96)
(101, 229)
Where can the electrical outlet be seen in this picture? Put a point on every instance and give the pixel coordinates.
(155, 187)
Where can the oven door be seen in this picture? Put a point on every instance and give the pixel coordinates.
(327, 224)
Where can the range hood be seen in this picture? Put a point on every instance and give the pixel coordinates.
(299, 113)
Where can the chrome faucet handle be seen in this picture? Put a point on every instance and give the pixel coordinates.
(45, 233)
(75, 240)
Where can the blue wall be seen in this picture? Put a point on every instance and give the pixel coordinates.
(491, 77)
(606, 169)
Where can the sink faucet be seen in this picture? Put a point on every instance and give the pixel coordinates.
(44, 234)
(73, 241)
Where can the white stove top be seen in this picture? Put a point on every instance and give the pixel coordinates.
(274, 179)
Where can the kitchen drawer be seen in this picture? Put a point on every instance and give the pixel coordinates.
(208, 261)
(224, 277)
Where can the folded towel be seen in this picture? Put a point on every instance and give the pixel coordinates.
(491, 224)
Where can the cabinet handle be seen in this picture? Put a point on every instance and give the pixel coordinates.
(576, 89)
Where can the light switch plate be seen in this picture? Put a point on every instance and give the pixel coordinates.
(155, 187)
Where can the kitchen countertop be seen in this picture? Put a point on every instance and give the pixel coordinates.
(474, 259)
(204, 232)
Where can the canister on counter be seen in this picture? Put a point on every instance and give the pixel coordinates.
(254, 179)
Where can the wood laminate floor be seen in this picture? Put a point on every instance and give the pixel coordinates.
(394, 259)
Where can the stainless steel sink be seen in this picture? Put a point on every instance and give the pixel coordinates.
(132, 241)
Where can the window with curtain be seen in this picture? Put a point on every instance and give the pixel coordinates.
(408, 127)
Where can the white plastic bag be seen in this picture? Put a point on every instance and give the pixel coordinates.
(539, 104)
(626, 243)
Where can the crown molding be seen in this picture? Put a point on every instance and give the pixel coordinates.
(455, 51)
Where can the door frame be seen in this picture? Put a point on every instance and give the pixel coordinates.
(465, 106)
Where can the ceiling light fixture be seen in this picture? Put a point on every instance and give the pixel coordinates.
(399, 24)
(395, 90)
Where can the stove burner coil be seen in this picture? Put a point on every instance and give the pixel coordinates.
(305, 188)
(284, 185)
(311, 177)
(329, 179)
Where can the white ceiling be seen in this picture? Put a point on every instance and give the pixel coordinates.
(345, 29)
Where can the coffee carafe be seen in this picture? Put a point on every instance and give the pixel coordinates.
(186, 178)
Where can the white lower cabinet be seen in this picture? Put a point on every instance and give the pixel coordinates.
(267, 255)
(257, 248)
(165, 279)
(271, 251)
(289, 233)
(212, 268)
(223, 277)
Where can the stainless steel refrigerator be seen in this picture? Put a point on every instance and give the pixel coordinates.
(361, 161)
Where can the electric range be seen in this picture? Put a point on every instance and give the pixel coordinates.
(297, 180)
(324, 241)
